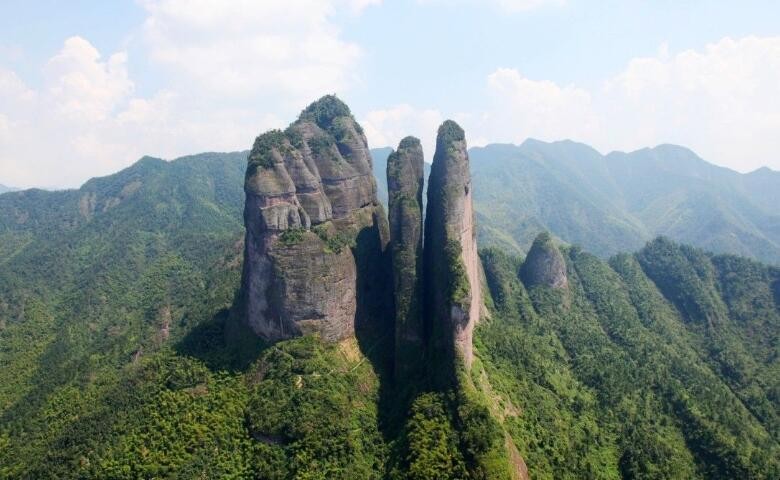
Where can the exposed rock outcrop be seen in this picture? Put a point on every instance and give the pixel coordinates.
(315, 232)
(544, 264)
(405, 187)
(451, 265)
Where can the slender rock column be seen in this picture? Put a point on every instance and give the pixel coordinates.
(405, 187)
(451, 264)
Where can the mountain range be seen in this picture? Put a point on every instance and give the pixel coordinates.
(4, 189)
(612, 203)
(230, 316)
(617, 202)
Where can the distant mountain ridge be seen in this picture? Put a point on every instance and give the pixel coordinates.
(4, 188)
(617, 202)
(210, 183)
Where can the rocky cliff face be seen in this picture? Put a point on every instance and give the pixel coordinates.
(405, 187)
(315, 232)
(544, 264)
(451, 264)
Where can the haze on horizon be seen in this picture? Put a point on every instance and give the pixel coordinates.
(87, 88)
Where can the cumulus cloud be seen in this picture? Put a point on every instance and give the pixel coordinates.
(721, 101)
(229, 70)
(541, 109)
(83, 87)
(244, 49)
(47, 131)
(229, 73)
(386, 127)
(84, 121)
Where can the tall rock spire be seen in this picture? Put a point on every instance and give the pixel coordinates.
(315, 232)
(405, 187)
(451, 264)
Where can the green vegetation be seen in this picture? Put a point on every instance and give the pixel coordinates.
(432, 442)
(335, 241)
(262, 151)
(322, 146)
(619, 383)
(292, 236)
(111, 279)
(615, 203)
(451, 435)
(458, 280)
(449, 132)
(325, 111)
(314, 408)
(122, 359)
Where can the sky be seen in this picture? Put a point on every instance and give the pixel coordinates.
(88, 87)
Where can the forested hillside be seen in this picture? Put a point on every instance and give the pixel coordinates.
(662, 364)
(616, 202)
(97, 285)
(118, 358)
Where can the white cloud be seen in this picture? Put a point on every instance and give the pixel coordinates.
(722, 102)
(523, 5)
(512, 6)
(540, 109)
(81, 86)
(230, 71)
(248, 49)
(235, 71)
(388, 126)
(85, 122)
(517, 106)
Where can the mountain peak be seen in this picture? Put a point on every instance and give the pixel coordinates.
(544, 264)
(409, 142)
(325, 111)
(310, 195)
(450, 131)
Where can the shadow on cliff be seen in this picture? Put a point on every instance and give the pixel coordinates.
(374, 327)
(222, 343)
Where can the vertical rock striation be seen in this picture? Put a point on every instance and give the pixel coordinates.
(405, 187)
(451, 264)
(315, 232)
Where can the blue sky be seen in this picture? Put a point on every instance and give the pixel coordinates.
(95, 85)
